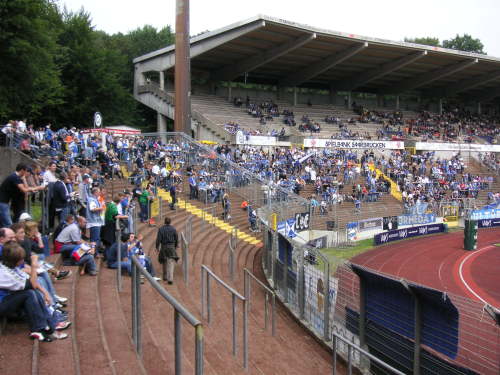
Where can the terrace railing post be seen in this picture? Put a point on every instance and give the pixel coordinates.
(326, 318)
(199, 350)
(245, 333)
(235, 327)
(334, 347)
(349, 359)
(134, 305)
(178, 342)
(273, 316)
(139, 314)
(301, 283)
(119, 256)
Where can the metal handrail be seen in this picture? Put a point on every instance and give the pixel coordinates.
(350, 347)
(179, 311)
(206, 273)
(185, 258)
(248, 275)
(119, 255)
(231, 259)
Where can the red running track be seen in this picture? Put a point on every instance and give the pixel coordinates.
(472, 278)
(435, 261)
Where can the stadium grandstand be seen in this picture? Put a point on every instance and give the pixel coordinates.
(336, 210)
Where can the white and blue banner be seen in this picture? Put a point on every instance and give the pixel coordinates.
(287, 228)
(485, 213)
(416, 219)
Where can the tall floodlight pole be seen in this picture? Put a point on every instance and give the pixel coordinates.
(182, 120)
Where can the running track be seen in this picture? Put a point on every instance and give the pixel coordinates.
(440, 262)
(472, 278)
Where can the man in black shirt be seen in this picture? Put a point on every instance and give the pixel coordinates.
(166, 244)
(13, 190)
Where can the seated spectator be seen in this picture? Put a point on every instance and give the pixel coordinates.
(21, 292)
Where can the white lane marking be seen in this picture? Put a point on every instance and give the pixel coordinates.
(462, 277)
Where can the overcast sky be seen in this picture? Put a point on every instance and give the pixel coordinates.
(388, 19)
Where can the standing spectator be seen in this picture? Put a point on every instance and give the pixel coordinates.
(166, 245)
(108, 234)
(173, 195)
(144, 199)
(13, 190)
(226, 207)
(93, 216)
(61, 197)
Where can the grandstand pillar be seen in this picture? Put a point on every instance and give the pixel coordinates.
(349, 100)
(333, 96)
(182, 120)
(379, 100)
(161, 124)
(162, 80)
(397, 101)
(229, 92)
(478, 108)
(440, 106)
(295, 96)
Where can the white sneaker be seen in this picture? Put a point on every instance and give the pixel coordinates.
(156, 278)
(61, 299)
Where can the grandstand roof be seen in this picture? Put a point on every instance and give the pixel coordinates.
(274, 51)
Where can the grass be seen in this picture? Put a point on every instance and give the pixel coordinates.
(36, 210)
(338, 256)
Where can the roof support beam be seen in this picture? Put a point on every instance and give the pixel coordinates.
(425, 78)
(232, 71)
(358, 80)
(488, 95)
(468, 84)
(321, 66)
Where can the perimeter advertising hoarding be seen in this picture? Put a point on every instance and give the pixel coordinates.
(456, 147)
(353, 144)
(416, 219)
(401, 234)
(488, 223)
(370, 224)
(489, 213)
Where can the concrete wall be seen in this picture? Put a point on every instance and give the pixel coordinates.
(10, 159)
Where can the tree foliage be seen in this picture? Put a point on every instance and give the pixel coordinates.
(54, 66)
(465, 43)
(428, 41)
(462, 43)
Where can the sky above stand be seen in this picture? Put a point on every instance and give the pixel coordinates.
(386, 19)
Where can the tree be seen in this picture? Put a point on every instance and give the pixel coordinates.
(30, 85)
(465, 43)
(428, 41)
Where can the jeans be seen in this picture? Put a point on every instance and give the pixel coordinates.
(5, 218)
(144, 211)
(87, 261)
(66, 251)
(95, 235)
(33, 305)
(126, 266)
(46, 283)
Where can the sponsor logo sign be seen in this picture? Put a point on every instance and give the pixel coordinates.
(401, 234)
(416, 219)
(353, 144)
(463, 147)
(488, 223)
(301, 221)
(370, 224)
(390, 222)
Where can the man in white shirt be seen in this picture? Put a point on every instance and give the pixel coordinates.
(50, 174)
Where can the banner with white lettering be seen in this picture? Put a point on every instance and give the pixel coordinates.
(488, 223)
(401, 234)
(353, 144)
(456, 147)
(370, 224)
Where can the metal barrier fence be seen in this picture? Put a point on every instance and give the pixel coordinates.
(206, 275)
(351, 347)
(179, 312)
(248, 277)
